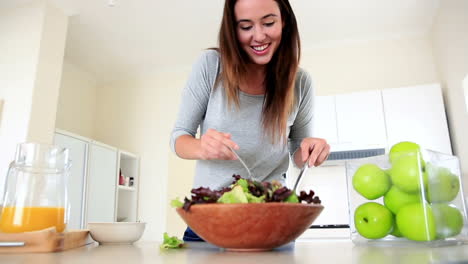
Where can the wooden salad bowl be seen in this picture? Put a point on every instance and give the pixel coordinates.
(250, 226)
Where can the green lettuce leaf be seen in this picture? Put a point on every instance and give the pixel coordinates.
(176, 203)
(171, 242)
(236, 195)
(254, 199)
(292, 198)
(244, 184)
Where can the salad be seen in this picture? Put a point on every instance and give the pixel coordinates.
(171, 242)
(246, 191)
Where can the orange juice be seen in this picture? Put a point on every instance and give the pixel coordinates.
(24, 219)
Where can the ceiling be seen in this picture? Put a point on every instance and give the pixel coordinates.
(115, 38)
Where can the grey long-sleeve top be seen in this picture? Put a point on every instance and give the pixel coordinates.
(206, 107)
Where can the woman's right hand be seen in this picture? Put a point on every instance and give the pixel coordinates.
(215, 145)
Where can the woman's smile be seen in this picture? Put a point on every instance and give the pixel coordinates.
(261, 49)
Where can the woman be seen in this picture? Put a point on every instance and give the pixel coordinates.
(249, 95)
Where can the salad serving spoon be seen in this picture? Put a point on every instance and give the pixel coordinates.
(301, 173)
(243, 163)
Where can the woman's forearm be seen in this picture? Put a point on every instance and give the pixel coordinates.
(188, 147)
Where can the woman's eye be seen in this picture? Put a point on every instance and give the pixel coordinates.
(245, 27)
(269, 24)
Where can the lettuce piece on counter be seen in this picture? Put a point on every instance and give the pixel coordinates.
(176, 203)
(171, 242)
(236, 195)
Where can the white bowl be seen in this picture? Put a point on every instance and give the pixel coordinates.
(116, 232)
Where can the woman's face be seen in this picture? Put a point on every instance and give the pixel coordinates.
(259, 27)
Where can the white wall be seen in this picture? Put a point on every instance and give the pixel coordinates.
(48, 74)
(19, 48)
(373, 64)
(450, 43)
(180, 181)
(77, 101)
(32, 43)
(137, 115)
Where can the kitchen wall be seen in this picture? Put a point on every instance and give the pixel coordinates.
(47, 76)
(370, 64)
(32, 43)
(179, 185)
(137, 115)
(77, 101)
(450, 44)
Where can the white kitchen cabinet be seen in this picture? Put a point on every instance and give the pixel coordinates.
(417, 114)
(325, 119)
(78, 149)
(127, 194)
(351, 121)
(360, 119)
(102, 171)
(93, 188)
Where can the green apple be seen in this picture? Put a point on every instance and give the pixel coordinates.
(402, 149)
(407, 174)
(417, 222)
(443, 186)
(373, 220)
(448, 219)
(395, 198)
(396, 231)
(371, 181)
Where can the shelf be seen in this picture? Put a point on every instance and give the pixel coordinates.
(126, 188)
(127, 196)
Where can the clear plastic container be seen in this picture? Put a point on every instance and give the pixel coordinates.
(35, 195)
(406, 198)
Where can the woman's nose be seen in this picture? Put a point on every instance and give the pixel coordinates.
(259, 35)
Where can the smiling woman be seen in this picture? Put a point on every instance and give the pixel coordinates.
(251, 96)
(269, 98)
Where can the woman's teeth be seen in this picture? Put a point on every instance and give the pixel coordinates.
(260, 48)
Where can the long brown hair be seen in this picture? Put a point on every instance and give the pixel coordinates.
(280, 71)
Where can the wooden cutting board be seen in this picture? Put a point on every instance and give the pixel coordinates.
(47, 240)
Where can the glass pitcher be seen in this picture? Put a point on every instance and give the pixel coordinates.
(35, 195)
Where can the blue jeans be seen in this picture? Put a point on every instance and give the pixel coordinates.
(190, 236)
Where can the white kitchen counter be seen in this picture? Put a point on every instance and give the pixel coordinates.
(303, 251)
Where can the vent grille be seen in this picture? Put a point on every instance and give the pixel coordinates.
(355, 154)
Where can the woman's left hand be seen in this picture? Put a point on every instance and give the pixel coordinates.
(315, 148)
